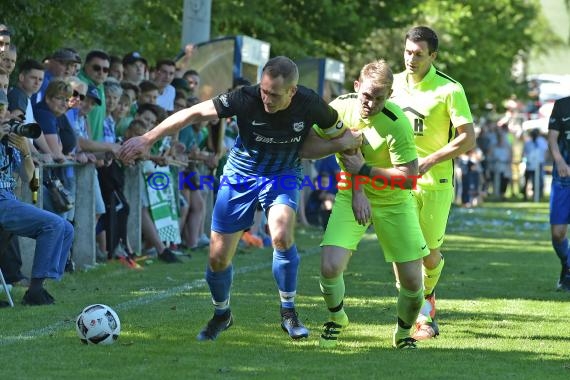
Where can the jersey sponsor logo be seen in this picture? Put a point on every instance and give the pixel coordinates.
(565, 119)
(224, 100)
(298, 127)
(273, 140)
(257, 123)
(418, 122)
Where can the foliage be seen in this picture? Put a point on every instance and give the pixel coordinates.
(150, 26)
(479, 42)
(480, 39)
(308, 28)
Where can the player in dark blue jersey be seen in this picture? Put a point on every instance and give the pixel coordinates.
(274, 118)
(559, 144)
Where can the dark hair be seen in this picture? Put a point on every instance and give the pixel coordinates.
(157, 110)
(126, 85)
(241, 81)
(165, 62)
(181, 95)
(282, 66)
(29, 65)
(115, 59)
(147, 85)
(5, 30)
(423, 33)
(190, 72)
(97, 54)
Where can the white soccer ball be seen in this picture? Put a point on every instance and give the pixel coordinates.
(98, 324)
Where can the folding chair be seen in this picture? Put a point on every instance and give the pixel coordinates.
(6, 289)
(4, 235)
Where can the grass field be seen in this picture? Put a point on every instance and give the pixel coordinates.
(499, 315)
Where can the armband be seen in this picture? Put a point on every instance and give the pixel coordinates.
(365, 170)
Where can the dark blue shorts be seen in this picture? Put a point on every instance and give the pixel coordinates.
(238, 198)
(559, 204)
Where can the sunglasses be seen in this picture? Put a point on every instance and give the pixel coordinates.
(78, 95)
(99, 68)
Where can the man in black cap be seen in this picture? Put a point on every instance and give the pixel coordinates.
(135, 67)
(61, 64)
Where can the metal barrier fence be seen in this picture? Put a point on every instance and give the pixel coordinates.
(84, 222)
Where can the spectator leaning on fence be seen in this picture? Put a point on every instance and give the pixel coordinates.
(53, 234)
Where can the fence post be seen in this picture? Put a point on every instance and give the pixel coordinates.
(84, 220)
(132, 191)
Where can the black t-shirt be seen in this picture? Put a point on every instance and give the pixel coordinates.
(269, 144)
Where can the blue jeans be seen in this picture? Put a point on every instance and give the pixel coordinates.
(53, 234)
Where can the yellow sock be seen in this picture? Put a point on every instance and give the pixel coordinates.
(431, 277)
(333, 290)
(409, 304)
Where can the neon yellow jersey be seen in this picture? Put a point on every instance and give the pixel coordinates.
(388, 141)
(435, 107)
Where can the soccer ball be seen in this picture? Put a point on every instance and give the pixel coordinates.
(98, 324)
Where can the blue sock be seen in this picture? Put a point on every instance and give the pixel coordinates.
(220, 284)
(285, 267)
(562, 251)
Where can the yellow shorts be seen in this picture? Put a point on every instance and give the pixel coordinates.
(433, 209)
(396, 226)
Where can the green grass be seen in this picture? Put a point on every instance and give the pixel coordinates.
(499, 315)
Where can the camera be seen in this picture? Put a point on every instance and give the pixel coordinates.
(30, 130)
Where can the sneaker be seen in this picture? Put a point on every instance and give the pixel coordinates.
(252, 240)
(564, 284)
(37, 298)
(215, 326)
(426, 329)
(290, 323)
(129, 262)
(203, 241)
(23, 282)
(70, 266)
(168, 257)
(100, 256)
(329, 337)
(407, 343)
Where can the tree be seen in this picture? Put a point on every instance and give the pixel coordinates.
(479, 41)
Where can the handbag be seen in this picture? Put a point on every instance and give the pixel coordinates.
(62, 200)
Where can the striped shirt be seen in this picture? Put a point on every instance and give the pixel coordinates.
(269, 144)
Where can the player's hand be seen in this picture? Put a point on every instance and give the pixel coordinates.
(424, 165)
(133, 148)
(361, 207)
(350, 141)
(563, 169)
(352, 162)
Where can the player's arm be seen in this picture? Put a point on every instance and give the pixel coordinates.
(315, 146)
(554, 129)
(464, 141)
(404, 175)
(138, 146)
(561, 165)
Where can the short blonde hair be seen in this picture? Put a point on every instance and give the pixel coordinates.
(379, 72)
